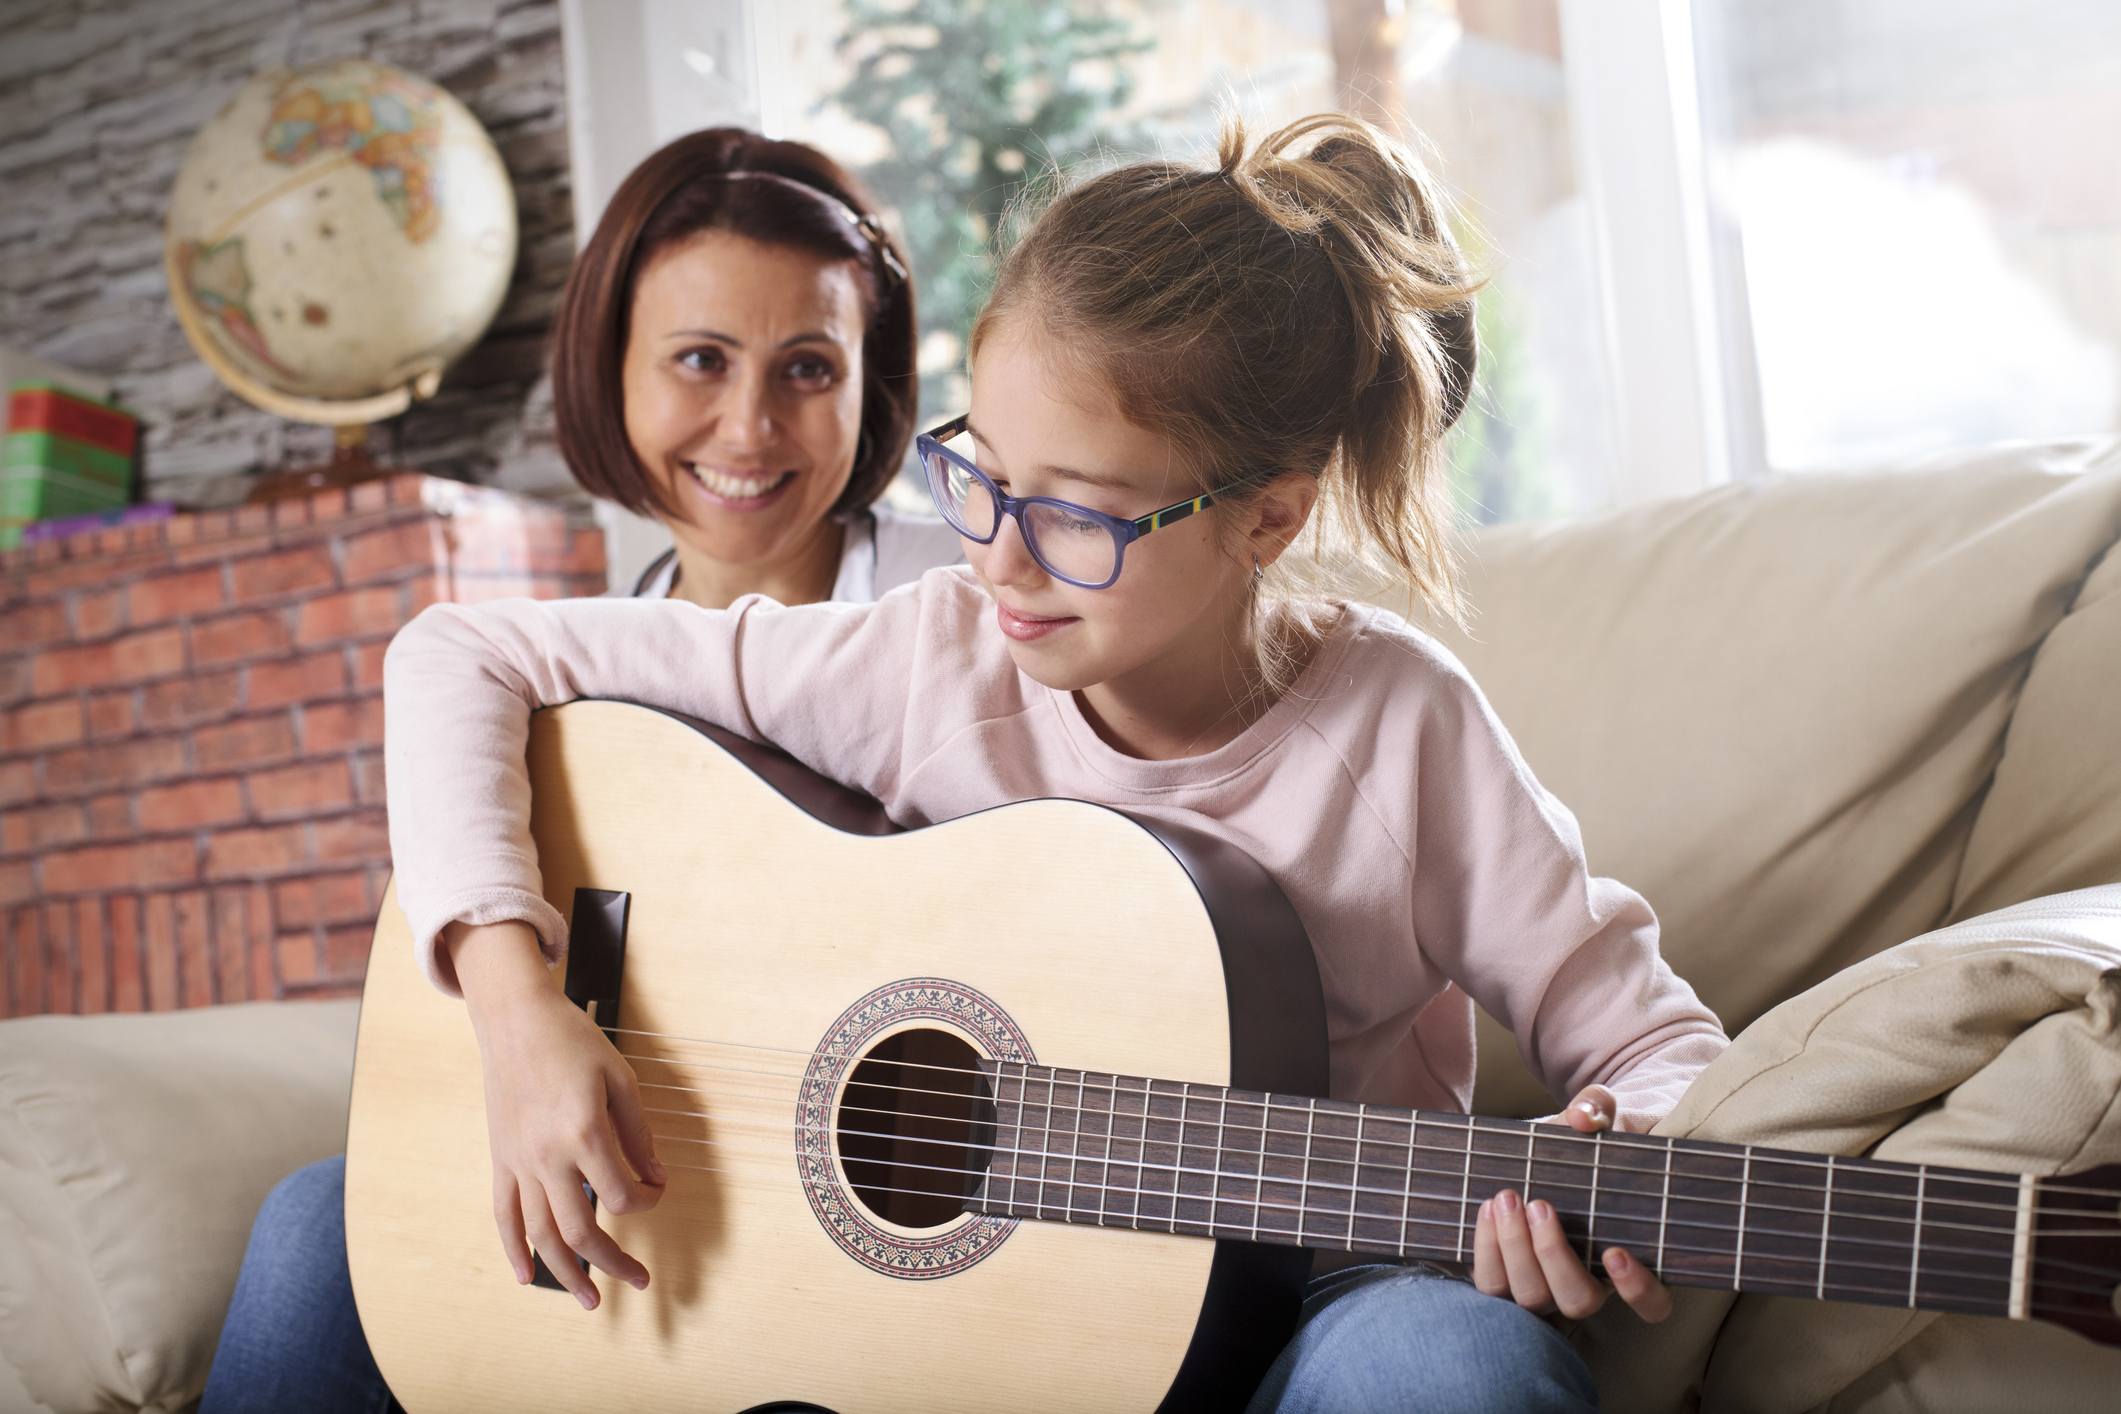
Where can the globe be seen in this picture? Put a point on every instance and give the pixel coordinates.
(339, 234)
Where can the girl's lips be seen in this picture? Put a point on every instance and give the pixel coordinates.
(737, 493)
(1025, 628)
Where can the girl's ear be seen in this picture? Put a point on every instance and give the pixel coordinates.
(1279, 515)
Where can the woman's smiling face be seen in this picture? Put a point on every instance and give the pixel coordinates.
(743, 392)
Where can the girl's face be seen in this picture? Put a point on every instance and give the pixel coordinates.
(743, 391)
(1179, 610)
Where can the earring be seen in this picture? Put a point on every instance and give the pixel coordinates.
(1258, 573)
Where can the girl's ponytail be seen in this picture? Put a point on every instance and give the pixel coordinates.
(1298, 308)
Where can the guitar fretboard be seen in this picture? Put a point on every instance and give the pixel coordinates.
(1117, 1151)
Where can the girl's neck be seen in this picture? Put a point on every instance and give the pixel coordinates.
(803, 573)
(1202, 702)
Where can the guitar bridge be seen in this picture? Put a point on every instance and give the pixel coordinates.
(596, 963)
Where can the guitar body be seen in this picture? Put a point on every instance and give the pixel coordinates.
(766, 951)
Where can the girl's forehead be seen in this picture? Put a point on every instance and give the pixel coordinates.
(1036, 415)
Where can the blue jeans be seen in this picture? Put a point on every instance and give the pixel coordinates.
(292, 1339)
(1397, 1340)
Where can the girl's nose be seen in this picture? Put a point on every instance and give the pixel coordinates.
(1008, 559)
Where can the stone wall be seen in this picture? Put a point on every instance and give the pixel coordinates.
(98, 100)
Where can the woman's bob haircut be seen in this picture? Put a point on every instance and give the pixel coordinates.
(776, 193)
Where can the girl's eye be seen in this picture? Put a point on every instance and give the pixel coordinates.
(707, 360)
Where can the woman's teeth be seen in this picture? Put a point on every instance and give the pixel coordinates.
(737, 488)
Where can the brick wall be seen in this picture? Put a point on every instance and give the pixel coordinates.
(98, 101)
(191, 727)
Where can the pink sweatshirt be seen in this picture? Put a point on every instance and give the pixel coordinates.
(1380, 792)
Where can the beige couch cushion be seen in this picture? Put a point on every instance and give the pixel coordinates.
(2052, 820)
(134, 1153)
(1775, 707)
(1924, 1054)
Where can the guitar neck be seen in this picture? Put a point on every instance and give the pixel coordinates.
(1119, 1151)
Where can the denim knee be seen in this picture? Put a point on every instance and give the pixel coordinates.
(1405, 1339)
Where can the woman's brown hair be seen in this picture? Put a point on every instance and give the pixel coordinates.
(777, 193)
(1296, 308)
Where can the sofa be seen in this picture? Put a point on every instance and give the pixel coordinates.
(1811, 719)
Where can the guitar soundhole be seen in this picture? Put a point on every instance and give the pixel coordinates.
(910, 1128)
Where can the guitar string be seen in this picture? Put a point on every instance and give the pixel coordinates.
(1414, 1147)
(1307, 1210)
(2001, 1182)
(1039, 1209)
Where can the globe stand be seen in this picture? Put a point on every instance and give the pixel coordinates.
(349, 466)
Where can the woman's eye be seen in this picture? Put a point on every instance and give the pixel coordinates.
(812, 369)
(703, 360)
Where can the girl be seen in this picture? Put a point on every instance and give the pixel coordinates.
(1179, 370)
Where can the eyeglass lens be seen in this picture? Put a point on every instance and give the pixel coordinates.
(1071, 546)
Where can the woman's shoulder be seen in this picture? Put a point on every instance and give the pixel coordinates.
(909, 545)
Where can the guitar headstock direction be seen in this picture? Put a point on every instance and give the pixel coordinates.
(2075, 1267)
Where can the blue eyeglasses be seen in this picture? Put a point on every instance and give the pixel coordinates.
(1074, 544)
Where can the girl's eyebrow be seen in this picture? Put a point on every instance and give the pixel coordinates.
(1065, 473)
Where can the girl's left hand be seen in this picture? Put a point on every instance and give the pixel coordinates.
(1520, 1250)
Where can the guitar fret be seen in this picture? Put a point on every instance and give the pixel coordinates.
(1590, 1222)
(1914, 1264)
(1222, 1130)
(1465, 1193)
(1303, 1201)
(1826, 1224)
(1664, 1205)
(1745, 1193)
(1259, 1185)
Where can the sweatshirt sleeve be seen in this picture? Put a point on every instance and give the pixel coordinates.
(461, 681)
(1506, 906)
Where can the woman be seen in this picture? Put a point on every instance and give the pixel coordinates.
(734, 355)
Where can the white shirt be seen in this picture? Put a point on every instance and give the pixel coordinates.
(883, 549)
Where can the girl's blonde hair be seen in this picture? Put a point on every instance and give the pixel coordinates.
(1298, 308)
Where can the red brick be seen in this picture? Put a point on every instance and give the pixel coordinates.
(91, 957)
(297, 955)
(264, 983)
(257, 853)
(28, 952)
(61, 970)
(195, 949)
(245, 518)
(14, 678)
(356, 613)
(297, 679)
(18, 881)
(327, 505)
(40, 827)
(388, 552)
(191, 805)
(282, 572)
(221, 548)
(322, 898)
(235, 637)
(99, 615)
(102, 868)
(346, 951)
(242, 919)
(18, 782)
(133, 658)
(161, 939)
(421, 593)
(111, 817)
(250, 741)
(82, 769)
(368, 777)
(126, 991)
(170, 596)
(335, 726)
(97, 572)
(368, 496)
(291, 512)
(111, 713)
(191, 699)
(368, 667)
(33, 625)
(42, 724)
(302, 791)
(360, 838)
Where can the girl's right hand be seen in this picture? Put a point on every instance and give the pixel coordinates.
(562, 1109)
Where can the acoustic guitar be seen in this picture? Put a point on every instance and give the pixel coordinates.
(1016, 1112)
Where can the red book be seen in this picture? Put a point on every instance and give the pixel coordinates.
(39, 407)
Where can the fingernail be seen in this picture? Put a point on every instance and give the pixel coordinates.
(639, 1284)
(589, 1303)
(1618, 1261)
(522, 1276)
(1589, 1107)
(1487, 1209)
(655, 1171)
(1539, 1212)
(1506, 1202)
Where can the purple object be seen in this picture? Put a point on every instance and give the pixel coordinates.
(38, 531)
